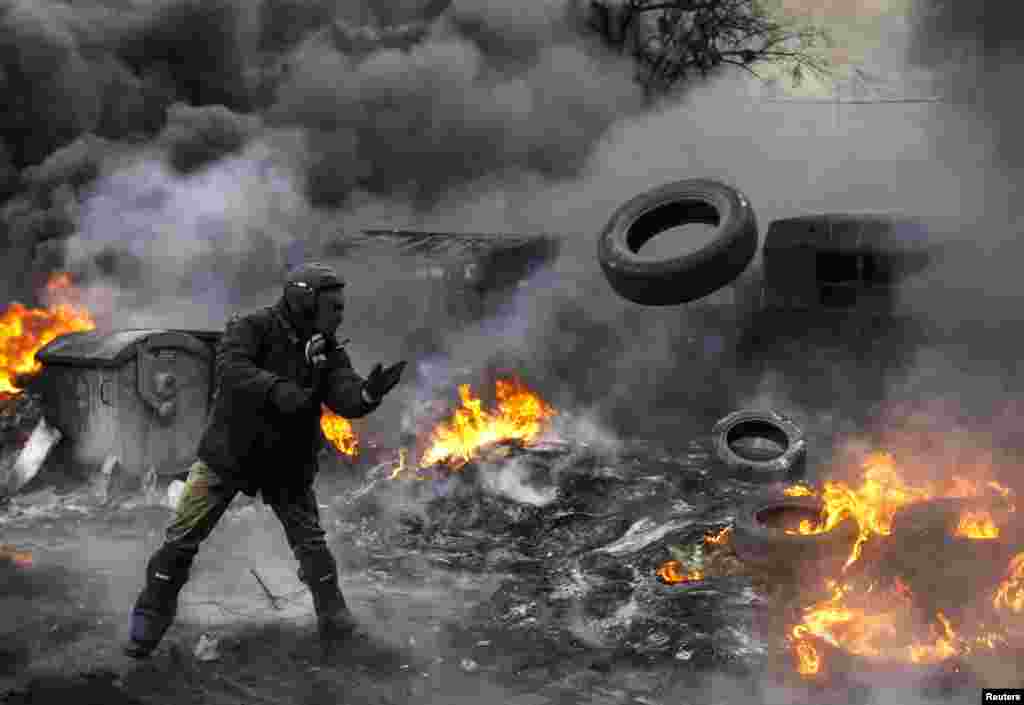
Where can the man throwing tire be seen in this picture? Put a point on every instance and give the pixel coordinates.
(274, 369)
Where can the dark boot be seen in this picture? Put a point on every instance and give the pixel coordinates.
(154, 611)
(335, 622)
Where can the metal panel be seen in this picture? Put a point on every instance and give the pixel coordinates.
(130, 420)
(112, 349)
(174, 388)
(93, 348)
(140, 395)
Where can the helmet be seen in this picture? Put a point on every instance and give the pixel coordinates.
(304, 282)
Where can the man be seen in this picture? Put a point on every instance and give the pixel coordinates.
(274, 369)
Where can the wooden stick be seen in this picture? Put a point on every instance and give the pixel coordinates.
(266, 591)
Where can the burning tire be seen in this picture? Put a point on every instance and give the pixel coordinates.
(759, 445)
(760, 535)
(945, 569)
(677, 280)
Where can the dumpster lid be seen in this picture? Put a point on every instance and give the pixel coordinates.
(115, 348)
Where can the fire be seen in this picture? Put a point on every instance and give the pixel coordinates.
(719, 539)
(882, 493)
(520, 416)
(23, 331)
(339, 432)
(22, 559)
(878, 625)
(881, 623)
(400, 468)
(977, 525)
(798, 491)
(673, 572)
(1010, 593)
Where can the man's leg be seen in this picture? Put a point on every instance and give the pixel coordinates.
(298, 512)
(202, 504)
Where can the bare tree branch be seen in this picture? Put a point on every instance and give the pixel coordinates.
(673, 41)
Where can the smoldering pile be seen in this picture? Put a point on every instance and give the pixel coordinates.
(577, 535)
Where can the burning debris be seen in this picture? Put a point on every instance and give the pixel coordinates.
(21, 559)
(338, 431)
(883, 492)
(673, 571)
(879, 617)
(520, 417)
(1009, 596)
(24, 331)
(596, 557)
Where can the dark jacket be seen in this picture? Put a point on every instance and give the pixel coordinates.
(248, 441)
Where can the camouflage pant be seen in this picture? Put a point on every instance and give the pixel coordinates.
(203, 502)
(206, 498)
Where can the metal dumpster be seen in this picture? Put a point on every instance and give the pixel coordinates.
(142, 395)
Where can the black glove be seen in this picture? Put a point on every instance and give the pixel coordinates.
(290, 398)
(381, 380)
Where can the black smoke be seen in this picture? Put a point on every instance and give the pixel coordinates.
(407, 101)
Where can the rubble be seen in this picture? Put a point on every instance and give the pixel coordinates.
(19, 413)
(207, 648)
(174, 492)
(584, 565)
(30, 458)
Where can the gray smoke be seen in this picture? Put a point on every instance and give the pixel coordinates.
(190, 151)
(178, 155)
(185, 83)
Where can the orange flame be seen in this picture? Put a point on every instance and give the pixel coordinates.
(22, 559)
(882, 493)
(719, 539)
(338, 431)
(24, 331)
(880, 624)
(400, 468)
(673, 572)
(798, 491)
(520, 416)
(977, 525)
(1009, 594)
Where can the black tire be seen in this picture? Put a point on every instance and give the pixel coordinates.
(944, 571)
(677, 280)
(758, 543)
(763, 424)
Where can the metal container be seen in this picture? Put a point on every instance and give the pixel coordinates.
(142, 395)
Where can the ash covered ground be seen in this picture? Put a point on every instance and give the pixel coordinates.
(530, 575)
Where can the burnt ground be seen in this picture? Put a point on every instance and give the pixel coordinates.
(527, 579)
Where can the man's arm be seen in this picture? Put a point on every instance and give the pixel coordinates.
(342, 388)
(237, 371)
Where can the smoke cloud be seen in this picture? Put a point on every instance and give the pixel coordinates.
(180, 171)
(179, 155)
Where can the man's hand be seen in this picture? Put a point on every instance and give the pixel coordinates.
(381, 380)
(290, 398)
(317, 349)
